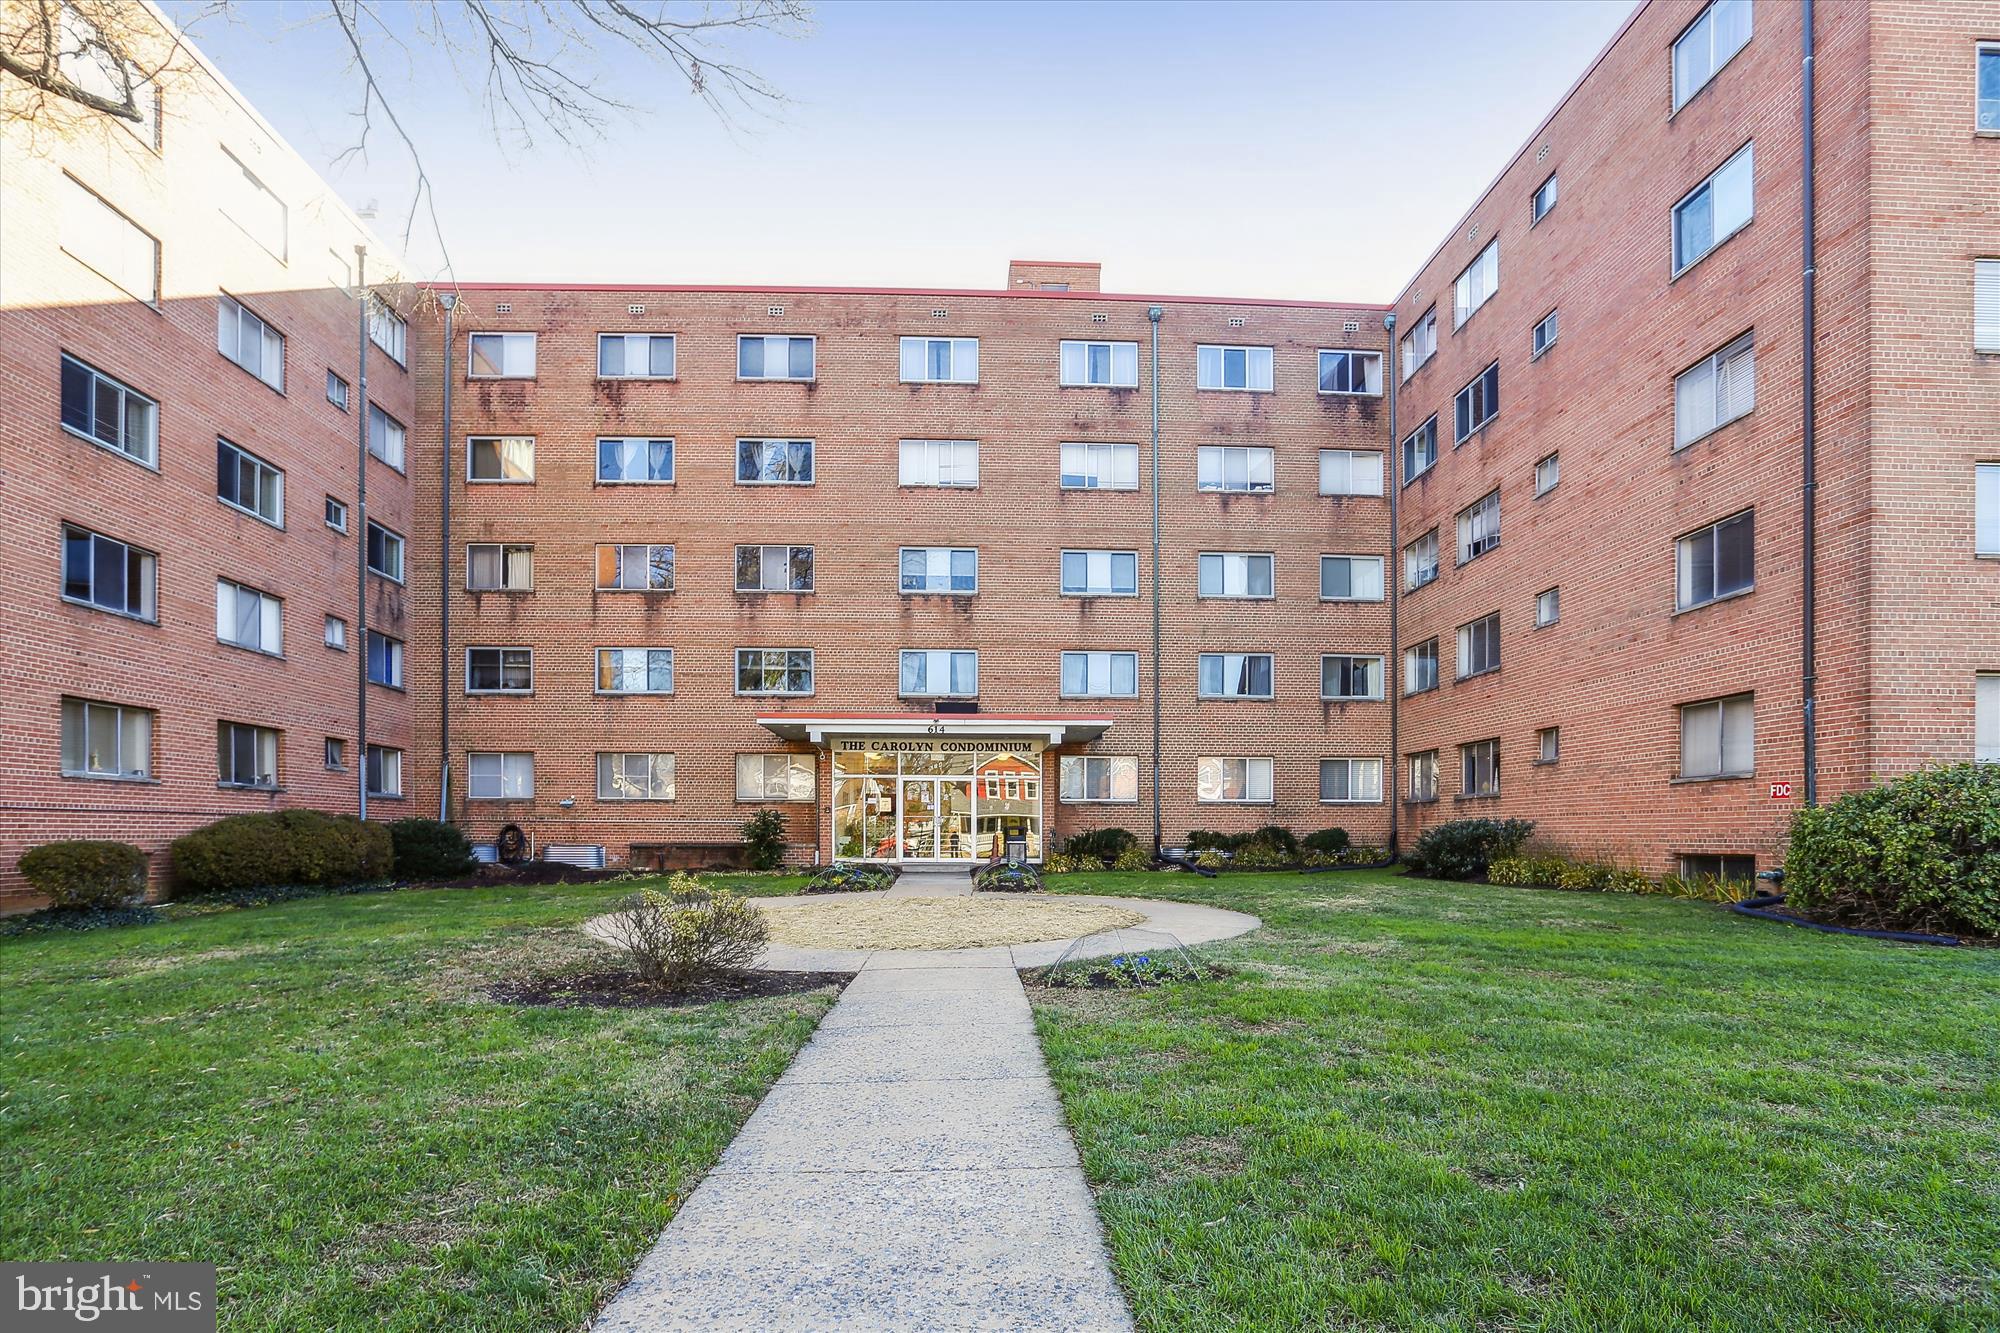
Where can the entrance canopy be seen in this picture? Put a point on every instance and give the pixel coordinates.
(821, 727)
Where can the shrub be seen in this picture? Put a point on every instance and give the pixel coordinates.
(83, 874)
(1004, 877)
(288, 847)
(848, 877)
(1260, 856)
(1333, 841)
(1210, 858)
(1462, 848)
(1104, 845)
(687, 933)
(1062, 863)
(428, 849)
(1275, 839)
(1920, 853)
(1134, 857)
(1204, 840)
(764, 840)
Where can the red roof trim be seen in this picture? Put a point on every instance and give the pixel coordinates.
(1000, 293)
(954, 717)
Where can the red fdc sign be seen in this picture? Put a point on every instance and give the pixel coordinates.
(1781, 791)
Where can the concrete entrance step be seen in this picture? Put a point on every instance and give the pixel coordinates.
(932, 882)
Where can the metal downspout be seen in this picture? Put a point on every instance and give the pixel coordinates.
(1392, 661)
(450, 303)
(361, 546)
(1155, 314)
(1809, 471)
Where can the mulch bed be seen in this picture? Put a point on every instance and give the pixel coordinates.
(527, 872)
(617, 989)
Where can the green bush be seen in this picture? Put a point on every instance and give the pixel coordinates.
(1560, 872)
(1276, 839)
(287, 847)
(1200, 840)
(1462, 848)
(1920, 853)
(1209, 858)
(83, 874)
(764, 840)
(688, 933)
(1260, 856)
(1005, 877)
(1333, 841)
(849, 877)
(428, 849)
(1134, 857)
(1099, 844)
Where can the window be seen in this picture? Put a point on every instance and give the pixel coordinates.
(1475, 286)
(1726, 868)
(1347, 677)
(1989, 88)
(105, 412)
(1707, 45)
(387, 331)
(628, 459)
(1986, 509)
(250, 342)
(1244, 368)
(774, 462)
(89, 61)
(1719, 738)
(1424, 776)
(1986, 718)
(108, 574)
(1420, 667)
(938, 463)
(1087, 675)
(1713, 211)
(385, 660)
(385, 437)
(1716, 561)
(336, 754)
(1542, 200)
(1481, 761)
(248, 618)
(1100, 573)
(1233, 470)
(1479, 527)
(336, 515)
(1350, 578)
(1420, 344)
(1228, 574)
(1420, 561)
(1548, 745)
(635, 356)
(635, 777)
(1349, 472)
(774, 671)
(1349, 781)
(385, 552)
(246, 482)
(1544, 335)
(775, 777)
(101, 238)
(336, 634)
(1477, 403)
(635, 671)
(1548, 472)
(1239, 780)
(1235, 676)
(246, 756)
(938, 673)
(385, 771)
(940, 361)
(499, 670)
(1109, 365)
(1100, 467)
(1986, 301)
(774, 569)
(1715, 391)
(501, 356)
(500, 458)
(775, 357)
(635, 567)
(1087, 778)
(1420, 450)
(1350, 372)
(1479, 646)
(938, 569)
(1548, 607)
(336, 390)
(499, 567)
(251, 205)
(499, 777)
(102, 740)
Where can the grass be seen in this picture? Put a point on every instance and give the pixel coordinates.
(317, 1097)
(1423, 1105)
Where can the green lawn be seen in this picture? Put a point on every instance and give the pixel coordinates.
(317, 1097)
(1423, 1105)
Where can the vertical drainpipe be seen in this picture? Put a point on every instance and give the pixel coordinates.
(1155, 314)
(1392, 778)
(450, 303)
(361, 529)
(1809, 473)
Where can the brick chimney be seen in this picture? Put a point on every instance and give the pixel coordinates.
(1050, 275)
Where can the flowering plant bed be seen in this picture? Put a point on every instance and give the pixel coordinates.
(1125, 971)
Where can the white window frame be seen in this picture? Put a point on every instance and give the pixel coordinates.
(335, 636)
(624, 354)
(791, 764)
(1073, 779)
(1381, 580)
(388, 330)
(1426, 434)
(647, 562)
(1369, 363)
(1986, 302)
(1479, 394)
(1735, 728)
(1422, 769)
(1687, 597)
(336, 755)
(1537, 208)
(336, 514)
(503, 552)
(1341, 467)
(80, 720)
(1213, 460)
(88, 60)
(1091, 660)
(1233, 570)
(766, 339)
(1210, 776)
(99, 236)
(786, 554)
(1363, 774)
(914, 360)
(1479, 527)
(940, 464)
(384, 775)
(394, 655)
(1548, 473)
(392, 447)
(1985, 121)
(1211, 362)
(1235, 667)
(1543, 336)
(500, 775)
(1986, 717)
(145, 449)
(624, 444)
(1548, 607)
(504, 659)
(1701, 31)
(1716, 390)
(1476, 284)
(233, 602)
(267, 742)
(337, 390)
(1095, 559)
(235, 321)
(1376, 672)
(931, 554)
(261, 472)
(615, 667)
(951, 658)
(1414, 658)
(1096, 459)
(1986, 508)
(149, 576)
(762, 667)
(1473, 636)
(1548, 745)
(1709, 186)
(1066, 361)
(500, 449)
(616, 765)
(812, 461)
(518, 354)
(1420, 561)
(265, 199)
(391, 540)
(1473, 756)
(1420, 344)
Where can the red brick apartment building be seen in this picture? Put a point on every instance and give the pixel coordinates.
(888, 561)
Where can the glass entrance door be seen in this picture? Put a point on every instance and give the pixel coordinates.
(936, 819)
(944, 802)
(920, 819)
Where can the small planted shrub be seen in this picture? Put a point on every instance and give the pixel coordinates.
(284, 848)
(1004, 877)
(1133, 857)
(1261, 856)
(1062, 863)
(1210, 858)
(1332, 841)
(687, 933)
(764, 840)
(1279, 841)
(1463, 848)
(84, 874)
(1102, 845)
(1919, 853)
(428, 849)
(849, 877)
(1200, 840)
(1125, 971)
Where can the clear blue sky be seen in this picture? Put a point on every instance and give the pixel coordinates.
(1303, 150)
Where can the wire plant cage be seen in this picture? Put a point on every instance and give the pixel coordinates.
(1125, 958)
